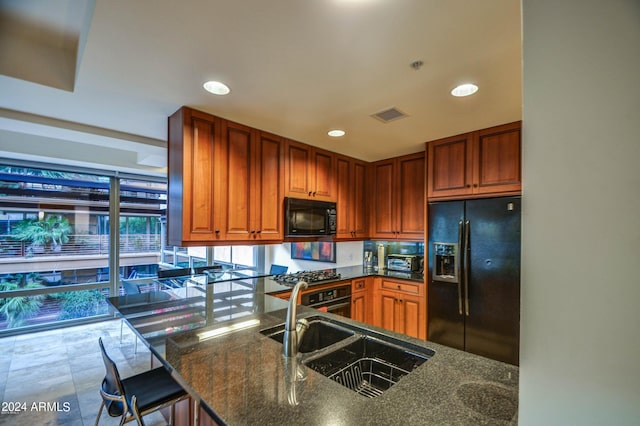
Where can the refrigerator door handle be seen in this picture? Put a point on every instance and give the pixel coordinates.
(467, 231)
(457, 267)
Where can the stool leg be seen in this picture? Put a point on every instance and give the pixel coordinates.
(99, 413)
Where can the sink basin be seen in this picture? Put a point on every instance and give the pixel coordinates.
(363, 360)
(369, 365)
(320, 334)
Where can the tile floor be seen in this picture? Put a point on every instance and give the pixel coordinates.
(65, 366)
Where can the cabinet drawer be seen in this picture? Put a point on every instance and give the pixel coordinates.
(358, 285)
(403, 286)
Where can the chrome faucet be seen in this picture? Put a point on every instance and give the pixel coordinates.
(293, 336)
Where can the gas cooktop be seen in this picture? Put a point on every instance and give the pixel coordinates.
(308, 276)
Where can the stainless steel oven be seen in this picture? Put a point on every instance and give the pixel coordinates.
(336, 300)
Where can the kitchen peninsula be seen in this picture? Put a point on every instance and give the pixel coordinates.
(239, 376)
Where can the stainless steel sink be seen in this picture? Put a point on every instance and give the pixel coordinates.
(320, 334)
(364, 361)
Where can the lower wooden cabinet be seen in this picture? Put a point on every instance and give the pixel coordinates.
(361, 299)
(400, 306)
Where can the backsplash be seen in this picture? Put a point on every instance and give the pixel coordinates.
(392, 247)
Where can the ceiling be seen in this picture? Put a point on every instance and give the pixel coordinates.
(105, 75)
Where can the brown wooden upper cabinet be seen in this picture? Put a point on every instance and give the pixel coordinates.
(194, 213)
(398, 198)
(225, 181)
(309, 172)
(350, 192)
(252, 193)
(481, 163)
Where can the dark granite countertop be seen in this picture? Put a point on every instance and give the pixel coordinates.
(241, 377)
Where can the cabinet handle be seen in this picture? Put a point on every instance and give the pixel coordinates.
(309, 193)
(217, 231)
(475, 185)
(258, 231)
(468, 186)
(314, 193)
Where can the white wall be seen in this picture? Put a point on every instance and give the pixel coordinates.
(580, 339)
(347, 254)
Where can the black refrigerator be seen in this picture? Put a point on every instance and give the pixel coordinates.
(474, 276)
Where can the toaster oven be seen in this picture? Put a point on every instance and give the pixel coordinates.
(404, 262)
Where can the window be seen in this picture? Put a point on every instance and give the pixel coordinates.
(236, 256)
(53, 246)
(56, 239)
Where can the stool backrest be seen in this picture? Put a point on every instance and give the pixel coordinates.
(112, 392)
(130, 288)
(278, 269)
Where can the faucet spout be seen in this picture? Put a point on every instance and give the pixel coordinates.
(290, 343)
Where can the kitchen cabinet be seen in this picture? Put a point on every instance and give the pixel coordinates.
(398, 198)
(309, 172)
(225, 182)
(350, 194)
(253, 186)
(361, 299)
(482, 163)
(195, 214)
(400, 306)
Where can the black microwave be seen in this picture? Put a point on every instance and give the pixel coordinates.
(309, 218)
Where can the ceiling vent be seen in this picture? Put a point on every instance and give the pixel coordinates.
(388, 115)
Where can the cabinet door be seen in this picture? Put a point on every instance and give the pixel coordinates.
(350, 195)
(358, 306)
(386, 310)
(322, 175)
(344, 197)
(238, 146)
(450, 166)
(298, 158)
(358, 202)
(383, 207)
(409, 318)
(497, 160)
(410, 201)
(268, 206)
(194, 178)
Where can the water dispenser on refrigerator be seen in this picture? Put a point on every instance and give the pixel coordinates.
(446, 266)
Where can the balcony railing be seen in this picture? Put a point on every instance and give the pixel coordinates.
(80, 245)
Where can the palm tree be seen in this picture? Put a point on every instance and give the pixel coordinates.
(18, 309)
(53, 229)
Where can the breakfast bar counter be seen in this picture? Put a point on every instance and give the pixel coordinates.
(239, 375)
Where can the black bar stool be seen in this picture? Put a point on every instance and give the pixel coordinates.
(153, 389)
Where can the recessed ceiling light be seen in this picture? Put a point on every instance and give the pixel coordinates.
(336, 133)
(464, 90)
(216, 88)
